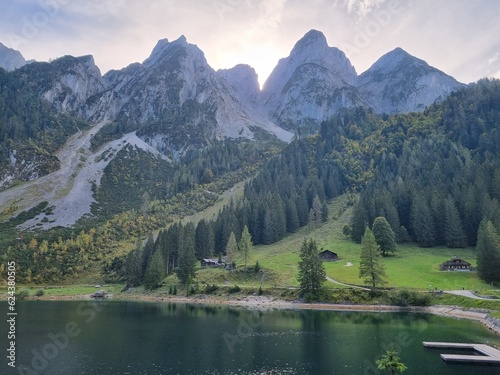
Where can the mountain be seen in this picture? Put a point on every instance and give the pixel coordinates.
(399, 82)
(316, 81)
(10, 59)
(171, 108)
(311, 84)
(244, 81)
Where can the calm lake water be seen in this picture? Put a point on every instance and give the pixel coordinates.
(69, 338)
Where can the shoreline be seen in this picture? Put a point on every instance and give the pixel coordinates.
(270, 303)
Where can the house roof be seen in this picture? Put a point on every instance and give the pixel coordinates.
(327, 252)
(456, 262)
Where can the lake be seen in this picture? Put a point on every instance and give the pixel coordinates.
(108, 338)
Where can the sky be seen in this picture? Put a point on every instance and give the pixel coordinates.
(459, 37)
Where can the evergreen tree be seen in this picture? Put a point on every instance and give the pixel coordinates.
(316, 213)
(488, 252)
(292, 217)
(359, 221)
(245, 245)
(384, 235)
(205, 241)
(155, 271)
(311, 269)
(148, 251)
(370, 267)
(231, 248)
(391, 363)
(422, 223)
(133, 266)
(454, 233)
(187, 258)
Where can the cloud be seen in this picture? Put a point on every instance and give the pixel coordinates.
(456, 37)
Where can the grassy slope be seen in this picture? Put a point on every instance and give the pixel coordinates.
(412, 266)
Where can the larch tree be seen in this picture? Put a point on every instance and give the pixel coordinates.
(245, 245)
(231, 248)
(370, 268)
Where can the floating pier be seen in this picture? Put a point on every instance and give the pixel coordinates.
(485, 353)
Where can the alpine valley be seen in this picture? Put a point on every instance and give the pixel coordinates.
(91, 164)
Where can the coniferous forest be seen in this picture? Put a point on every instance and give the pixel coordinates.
(434, 176)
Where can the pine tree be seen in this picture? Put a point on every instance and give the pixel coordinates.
(231, 248)
(369, 267)
(359, 221)
(422, 223)
(390, 362)
(292, 217)
(204, 240)
(311, 269)
(148, 251)
(133, 266)
(155, 271)
(384, 235)
(454, 233)
(316, 213)
(488, 252)
(187, 258)
(245, 245)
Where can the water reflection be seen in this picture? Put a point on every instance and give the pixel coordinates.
(165, 338)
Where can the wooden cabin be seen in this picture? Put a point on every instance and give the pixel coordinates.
(456, 264)
(328, 256)
(210, 263)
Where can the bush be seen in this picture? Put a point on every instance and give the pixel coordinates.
(209, 289)
(39, 292)
(406, 297)
(23, 294)
(234, 289)
(261, 292)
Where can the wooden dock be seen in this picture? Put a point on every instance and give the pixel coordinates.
(485, 353)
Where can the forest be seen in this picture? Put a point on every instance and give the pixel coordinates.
(434, 176)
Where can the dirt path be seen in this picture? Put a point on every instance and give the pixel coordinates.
(346, 285)
(468, 294)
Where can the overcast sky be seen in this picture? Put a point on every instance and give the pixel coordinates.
(460, 37)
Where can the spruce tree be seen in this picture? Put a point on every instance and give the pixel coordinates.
(422, 223)
(359, 221)
(384, 235)
(454, 233)
(155, 271)
(311, 269)
(370, 267)
(133, 266)
(187, 258)
(488, 252)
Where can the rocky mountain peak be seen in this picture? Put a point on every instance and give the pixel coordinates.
(244, 81)
(10, 59)
(313, 40)
(400, 82)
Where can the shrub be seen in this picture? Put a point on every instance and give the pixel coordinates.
(39, 292)
(406, 297)
(209, 289)
(23, 294)
(261, 292)
(234, 289)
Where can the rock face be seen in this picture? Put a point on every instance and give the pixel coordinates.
(311, 84)
(244, 81)
(177, 102)
(10, 59)
(399, 82)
